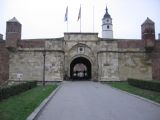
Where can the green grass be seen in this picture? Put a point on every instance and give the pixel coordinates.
(20, 106)
(152, 95)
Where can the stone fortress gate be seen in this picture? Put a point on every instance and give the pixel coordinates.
(80, 56)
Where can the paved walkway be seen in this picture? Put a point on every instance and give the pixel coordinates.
(94, 101)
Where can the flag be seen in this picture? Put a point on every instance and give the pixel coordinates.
(79, 14)
(66, 15)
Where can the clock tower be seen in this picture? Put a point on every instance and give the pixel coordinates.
(107, 30)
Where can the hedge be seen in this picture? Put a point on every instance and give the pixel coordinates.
(150, 85)
(8, 91)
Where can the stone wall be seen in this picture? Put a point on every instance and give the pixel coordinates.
(130, 43)
(54, 66)
(28, 60)
(108, 66)
(4, 65)
(111, 59)
(134, 65)
(134, 62)
(156, 61)
(54, 59)
(122, 59)
(80, 37)
(28, 63)
(87, 41)
(108, 61)
(31, 43)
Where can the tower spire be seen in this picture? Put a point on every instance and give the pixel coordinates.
(106, 15)
(107, 31)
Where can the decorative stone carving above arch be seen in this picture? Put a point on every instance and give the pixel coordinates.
(81, 50)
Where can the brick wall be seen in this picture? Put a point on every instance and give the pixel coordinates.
(130, 44)
(154, 55)
(4, 60)
(156, 61)
(31, 43)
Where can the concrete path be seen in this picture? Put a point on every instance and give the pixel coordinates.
(94, 101)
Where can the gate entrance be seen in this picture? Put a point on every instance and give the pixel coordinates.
(80, 69)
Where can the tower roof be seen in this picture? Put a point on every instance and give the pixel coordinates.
(13, 20)
(148, 21)
(106, 15)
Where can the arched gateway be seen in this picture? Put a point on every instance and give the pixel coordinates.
(80, 69)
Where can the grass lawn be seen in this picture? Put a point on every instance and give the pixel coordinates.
(20, 106)
(152, 95)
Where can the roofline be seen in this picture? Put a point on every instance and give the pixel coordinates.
(84, 33)
(115, 39)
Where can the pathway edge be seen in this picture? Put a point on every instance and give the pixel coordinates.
(37, 110)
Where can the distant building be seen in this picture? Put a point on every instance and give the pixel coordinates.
(80, 56)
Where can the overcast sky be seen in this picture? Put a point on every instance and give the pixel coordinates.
(45, 18)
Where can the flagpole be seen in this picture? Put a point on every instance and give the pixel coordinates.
(93, 18)
(67, 25)
(80, 25)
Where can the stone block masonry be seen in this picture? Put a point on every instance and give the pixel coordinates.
(102, 59)
(116, 60)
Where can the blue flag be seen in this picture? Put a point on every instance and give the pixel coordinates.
(66, 15)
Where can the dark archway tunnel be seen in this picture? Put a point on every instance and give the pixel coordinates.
(80, 69)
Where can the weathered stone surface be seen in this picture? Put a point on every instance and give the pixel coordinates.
(54, 44)
(111, 60)
(80, 37)
(134, 65)
(108, 66)
(89, 53)
(113, 63)
(54, 66)
(107, 46)
(27, 63)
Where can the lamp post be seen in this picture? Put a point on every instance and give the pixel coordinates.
(44, 62)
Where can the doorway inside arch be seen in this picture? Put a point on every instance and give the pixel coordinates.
(80, 69)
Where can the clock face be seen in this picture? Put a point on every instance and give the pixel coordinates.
(106, 21)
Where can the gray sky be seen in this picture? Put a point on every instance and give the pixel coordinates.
(45, 18)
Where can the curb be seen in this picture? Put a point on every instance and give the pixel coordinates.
(139, 97)
(37, 110)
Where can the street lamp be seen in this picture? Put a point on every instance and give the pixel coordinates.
(44, 62)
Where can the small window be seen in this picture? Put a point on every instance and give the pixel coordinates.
(80, 49)
(107, 26)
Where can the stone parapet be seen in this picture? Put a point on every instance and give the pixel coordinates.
(80, 36)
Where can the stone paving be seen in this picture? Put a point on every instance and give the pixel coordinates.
(94, 101)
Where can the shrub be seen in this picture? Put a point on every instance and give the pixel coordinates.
(8, 91)
(150, 85)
